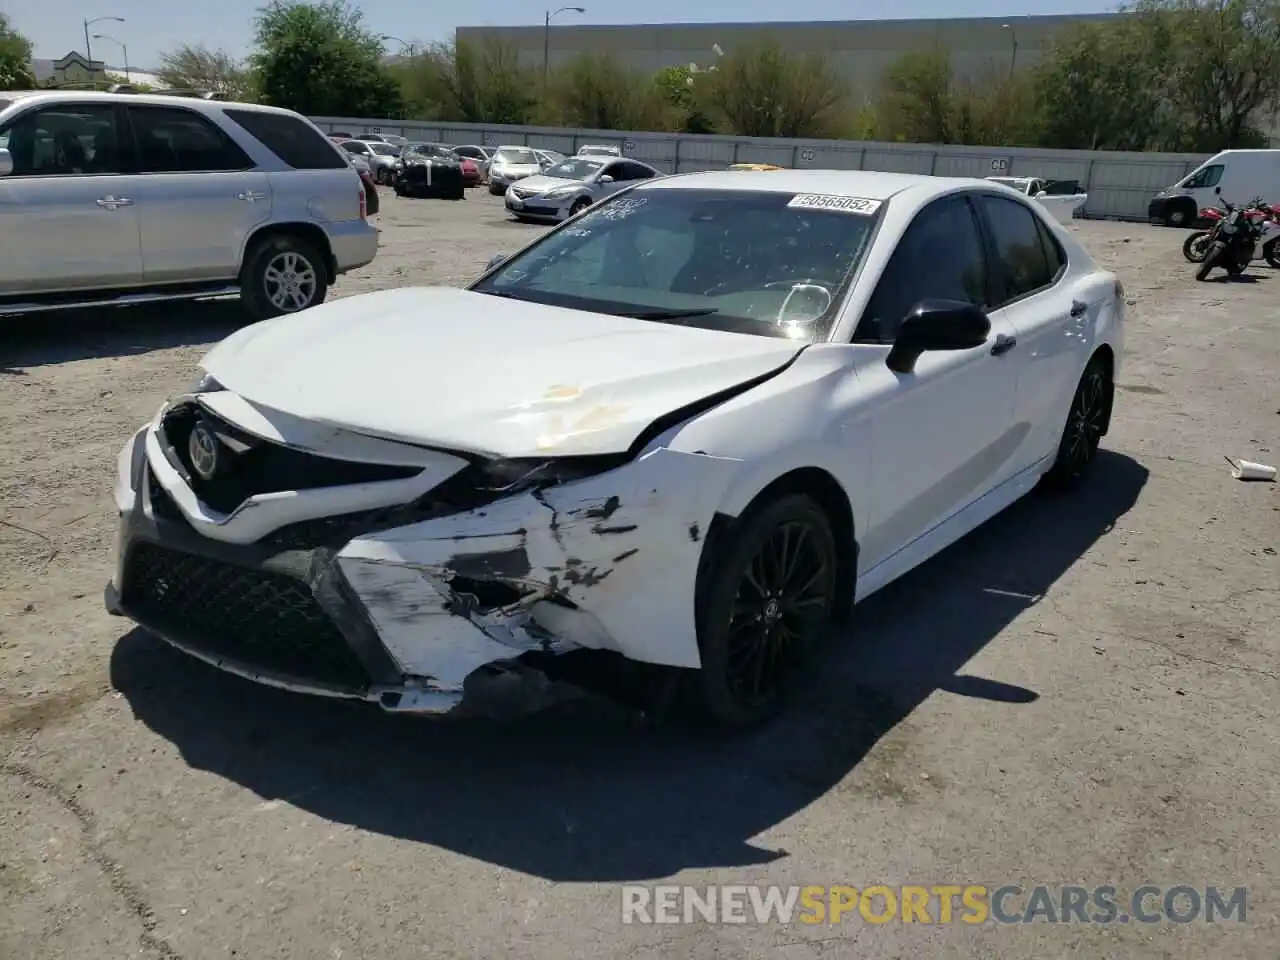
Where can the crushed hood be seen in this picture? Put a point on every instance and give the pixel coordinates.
(466, 371)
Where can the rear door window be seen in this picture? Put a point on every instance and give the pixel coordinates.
(171, 140)
(1020, 249)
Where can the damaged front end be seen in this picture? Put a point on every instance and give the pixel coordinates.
(449, 600)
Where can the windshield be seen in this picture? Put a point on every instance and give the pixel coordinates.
(384, 149)
(1204, 177)
(597, 152)
(575, 168)
(749, 262)
(515, 155)
(429, 150)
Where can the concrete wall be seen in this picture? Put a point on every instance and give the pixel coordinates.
(861, 50)
(1119, 184)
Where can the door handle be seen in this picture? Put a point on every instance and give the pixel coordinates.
(1003, 345)
(1079, 308)
(251, 196)
(111, 202)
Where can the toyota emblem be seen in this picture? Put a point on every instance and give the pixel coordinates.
(202, 447)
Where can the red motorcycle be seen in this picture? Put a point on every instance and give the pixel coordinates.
(1197, 245)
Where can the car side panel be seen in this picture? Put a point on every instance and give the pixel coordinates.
(194, 225)
(62, 235)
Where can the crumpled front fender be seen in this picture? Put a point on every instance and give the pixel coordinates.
(621, 547)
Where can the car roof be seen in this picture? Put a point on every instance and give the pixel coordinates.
(866, 184)
(157, 99)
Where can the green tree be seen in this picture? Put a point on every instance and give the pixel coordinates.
(319, 59)
(596, 92)
(918, 98)
(676, 88)
(194, 66)
(1224, 70)
(15, 58)
(1104, 86)
(468, 83)
(763, 91)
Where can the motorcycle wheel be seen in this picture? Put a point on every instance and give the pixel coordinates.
(1271, 252)
(1210, 260)
(1196, 246)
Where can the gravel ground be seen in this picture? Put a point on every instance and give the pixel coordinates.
(1084, 691)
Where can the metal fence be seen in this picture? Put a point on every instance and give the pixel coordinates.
(1119, 184)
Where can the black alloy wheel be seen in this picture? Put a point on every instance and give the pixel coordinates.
(1086, 424)
(770, 603)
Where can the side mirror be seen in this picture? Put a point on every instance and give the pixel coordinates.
(6, 162)
(937, 325)
(605, 179)
(494, 262)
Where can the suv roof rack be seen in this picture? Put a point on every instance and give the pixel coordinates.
(199, 94)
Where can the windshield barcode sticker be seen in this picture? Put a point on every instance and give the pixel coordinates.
(823, 201)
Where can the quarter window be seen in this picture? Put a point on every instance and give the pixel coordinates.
(291, 139)
(939, 257)
(65, 140)
(181, 141)
(1020, 249)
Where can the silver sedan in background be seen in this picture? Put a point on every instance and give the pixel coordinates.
(510, 164)
(572, 185)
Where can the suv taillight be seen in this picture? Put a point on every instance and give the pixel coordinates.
(364, 204)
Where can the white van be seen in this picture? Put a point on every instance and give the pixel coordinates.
(1236, 176)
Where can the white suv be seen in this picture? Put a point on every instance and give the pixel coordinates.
(118, 199)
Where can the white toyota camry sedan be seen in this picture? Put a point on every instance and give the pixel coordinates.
(693, 426)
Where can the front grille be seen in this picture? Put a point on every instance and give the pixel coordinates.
(465, 490)
(263, 468)
(254, 617)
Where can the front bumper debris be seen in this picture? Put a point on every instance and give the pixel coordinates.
(423, 618)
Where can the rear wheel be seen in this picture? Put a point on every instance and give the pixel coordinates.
(1086, 422)
(770, 596)
(578, 206)
(1271, 252)
(282, 274)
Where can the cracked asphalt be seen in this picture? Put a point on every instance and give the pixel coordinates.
(1084, 691)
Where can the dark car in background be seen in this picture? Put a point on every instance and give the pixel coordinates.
(429, 170)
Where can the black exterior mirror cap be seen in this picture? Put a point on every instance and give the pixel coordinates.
(937, 325)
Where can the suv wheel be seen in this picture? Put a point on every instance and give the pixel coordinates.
(282, 274)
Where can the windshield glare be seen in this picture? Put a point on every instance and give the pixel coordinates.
(515, 155)
(575, 168)
(733, 260)
(383, 149)
(428, 149)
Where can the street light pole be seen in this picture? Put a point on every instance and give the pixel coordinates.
(1013, 53)
(546, 38)
(124, 48)
(88, 50)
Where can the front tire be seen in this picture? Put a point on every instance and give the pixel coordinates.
(496, 191)
(1271, 252)
(767, 602)
(1087, 420)
(282, 274)
(1210, 260)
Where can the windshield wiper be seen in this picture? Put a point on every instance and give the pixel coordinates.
(668, 314)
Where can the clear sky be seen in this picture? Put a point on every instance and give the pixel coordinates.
(153, 26)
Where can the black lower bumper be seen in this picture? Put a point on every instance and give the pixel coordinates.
(272, 609)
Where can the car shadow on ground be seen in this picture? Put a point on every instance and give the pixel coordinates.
(39, 339)
(569, 800)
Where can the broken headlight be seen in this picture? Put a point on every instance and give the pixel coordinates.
(206, 384)
(513, 476)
